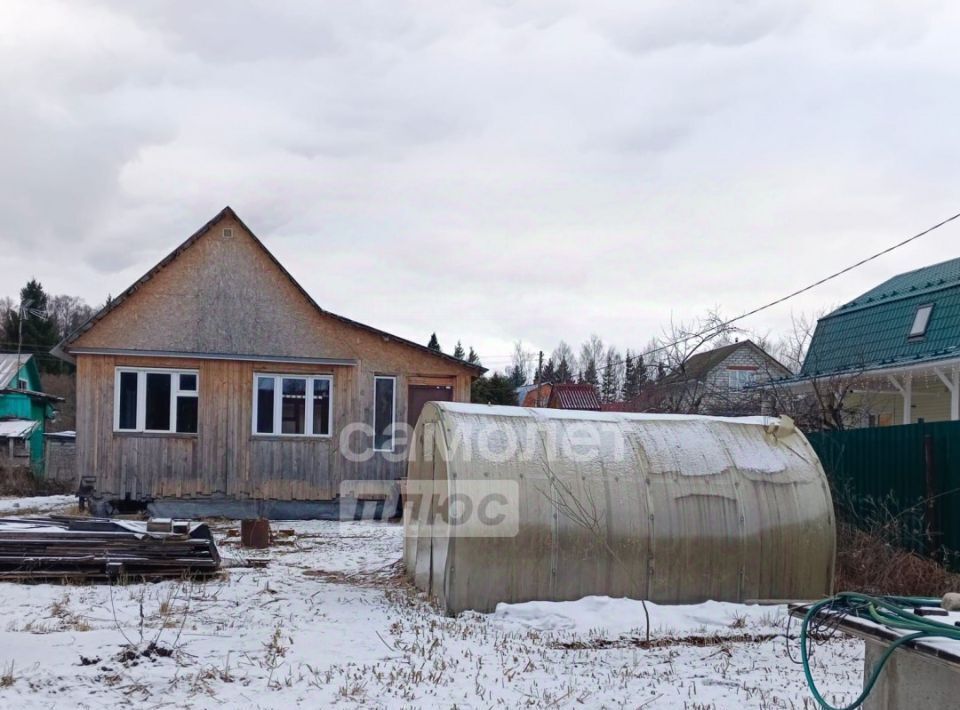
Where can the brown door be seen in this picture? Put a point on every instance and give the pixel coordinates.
(419, 395)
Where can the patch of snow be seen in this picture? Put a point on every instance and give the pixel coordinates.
(36, 504)
(625, 616)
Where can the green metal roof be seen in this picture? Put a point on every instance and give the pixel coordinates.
(872, 331)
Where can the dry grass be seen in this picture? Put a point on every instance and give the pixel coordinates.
(867, 563)
(20, 481)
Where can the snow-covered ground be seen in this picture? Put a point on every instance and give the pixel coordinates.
(37, 504)
(331, 621)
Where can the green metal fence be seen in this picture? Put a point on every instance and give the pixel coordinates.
(910, 473)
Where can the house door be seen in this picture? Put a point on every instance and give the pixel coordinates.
(419, 395)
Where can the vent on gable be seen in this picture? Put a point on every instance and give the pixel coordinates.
(227, 233)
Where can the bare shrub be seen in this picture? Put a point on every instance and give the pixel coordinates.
(868, 562)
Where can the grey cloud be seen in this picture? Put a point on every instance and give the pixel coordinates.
(491, 171)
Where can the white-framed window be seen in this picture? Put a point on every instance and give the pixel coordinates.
(384, 412)
(921, 320)
(740, 379)
(292, 405)
(156, 400)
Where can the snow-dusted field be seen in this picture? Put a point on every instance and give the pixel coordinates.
(37, 504)
(331, 622)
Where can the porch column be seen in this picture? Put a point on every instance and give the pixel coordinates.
(952, 382)
(906, 391)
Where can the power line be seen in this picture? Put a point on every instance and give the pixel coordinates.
(799, 291)
(714, 329)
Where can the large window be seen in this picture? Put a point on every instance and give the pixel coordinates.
(384, 412)
(293, 405)
(162, 401)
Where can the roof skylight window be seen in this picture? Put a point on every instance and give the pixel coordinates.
(921, 320)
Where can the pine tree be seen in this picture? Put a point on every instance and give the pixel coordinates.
(473, 358)
(516, 376)
(458, 352)
(590, 373)
(632, 376)
(563, 374)
(434, 344)
(496, 389)
(642, 377)
(612, 376)
(40, 331)
(549, 373)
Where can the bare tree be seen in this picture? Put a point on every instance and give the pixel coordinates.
(591, 358)
(565, 362)
(522, 365)
(68, 312)
(678, 390)
(822, 401)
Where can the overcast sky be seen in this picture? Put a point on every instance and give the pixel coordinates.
(491, 171)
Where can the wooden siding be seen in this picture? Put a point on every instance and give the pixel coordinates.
(224, 458)
(227, 299)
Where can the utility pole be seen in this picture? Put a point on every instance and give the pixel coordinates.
(23, 304)
(537, 378)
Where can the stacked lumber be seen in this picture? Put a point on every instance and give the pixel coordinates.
(60, 547)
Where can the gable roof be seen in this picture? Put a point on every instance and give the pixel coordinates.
(62, 349)
(699, 365)
(10, 365)
(574, 396)
(872, 331)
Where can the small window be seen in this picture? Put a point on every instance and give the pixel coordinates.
(321, 407)
(921, 320)
(127, 401)
(264, 405)
(740, 379)
(292, 405)
(384, 412)
(156, 401)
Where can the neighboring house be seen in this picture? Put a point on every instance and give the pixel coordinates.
(574, 396)
(216, 385)
(534, 395)
(24, 409)
(719, 382)
(891, 355)
(559, 396)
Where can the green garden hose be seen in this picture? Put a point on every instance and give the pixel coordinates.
(890, 612)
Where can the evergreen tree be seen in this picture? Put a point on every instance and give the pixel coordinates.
(549, 373)
(632, 376)
(473, 358)
(496, 389)
(590, 376)
(40, 331)
(458, 351)
(563, 374)
(612, 376)
(434, 344)
(642, 378)
(517, 376)
(591, 353)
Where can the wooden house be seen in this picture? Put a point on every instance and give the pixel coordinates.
(216, 385)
